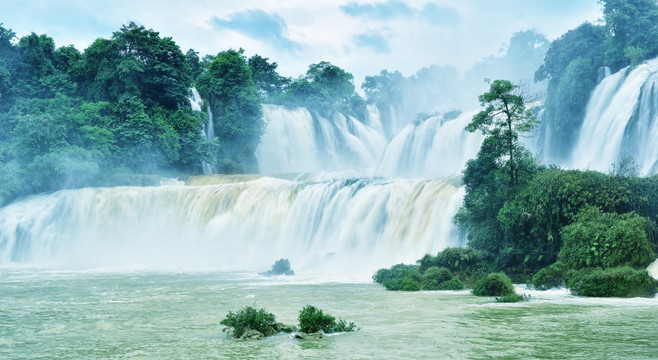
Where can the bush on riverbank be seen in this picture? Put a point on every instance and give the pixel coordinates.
(439, 278)
(399, 277)
(465, 263)
(550, 277)
(613, 282)
(494, 284)
(411, 278)
(599, 239)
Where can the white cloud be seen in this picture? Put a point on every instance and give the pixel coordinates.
(398, 35)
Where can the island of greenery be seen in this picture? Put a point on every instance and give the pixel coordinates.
(255, 324)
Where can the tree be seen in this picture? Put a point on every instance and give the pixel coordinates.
(267, 80)
(497, 173)
(632, 31)
(504, 118)
(232, 95)
(325, 89)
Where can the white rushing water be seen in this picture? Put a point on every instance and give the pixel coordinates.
(621, 119)
(435, 147)
(348, 227)
(296, 141)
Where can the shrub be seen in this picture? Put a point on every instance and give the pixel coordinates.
(494, 284)
(433, 277)
(614, 282)
(399, 277)
(511, 298)
(458, 260)
(250, 319)
(439, 278)
(312, 319)
(599, 239)
(550, 277)
(452, 284)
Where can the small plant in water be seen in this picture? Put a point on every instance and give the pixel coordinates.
(250, 319)
(312, 319)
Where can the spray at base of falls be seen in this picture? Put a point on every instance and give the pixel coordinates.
(350, 227)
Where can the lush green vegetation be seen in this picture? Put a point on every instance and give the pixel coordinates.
(550, 277)
(446, 271)
(312, 319)
(613, 282)
(494, 284)
(399, 277)
(119, 110)
(251, 323)
(250, 318)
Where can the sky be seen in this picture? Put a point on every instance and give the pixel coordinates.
(362, 37)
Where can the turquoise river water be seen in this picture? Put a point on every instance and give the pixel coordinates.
(47, 314)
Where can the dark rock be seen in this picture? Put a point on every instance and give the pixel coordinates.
(315, 335)
(280, 267)
(250, 334)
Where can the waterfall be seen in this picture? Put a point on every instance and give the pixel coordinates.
(436, 147)
(621, 120)
(351, 226)
(209, 130)
(298, 141)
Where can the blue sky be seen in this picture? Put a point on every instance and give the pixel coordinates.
(362, 37)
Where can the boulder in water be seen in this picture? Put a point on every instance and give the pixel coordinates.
(251, 334)
(316, 335)
(280, 267)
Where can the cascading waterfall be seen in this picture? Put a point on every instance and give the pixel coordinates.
(436, 147)
(621, 119)
(337, 227)
(297, 141)
(209, 130)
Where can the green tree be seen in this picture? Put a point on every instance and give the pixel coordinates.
(233, 97)
(632, 31)
(325, 89)
(267, 80)
(504, 118)
(500, 169)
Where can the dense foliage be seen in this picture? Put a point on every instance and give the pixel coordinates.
(120, 109)
(494, 284)
(250, 318)
(233, 98)
(501, 168)
(312, 319)
(613, 282)
(598, 239)
(550, 277)
(399, 277)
